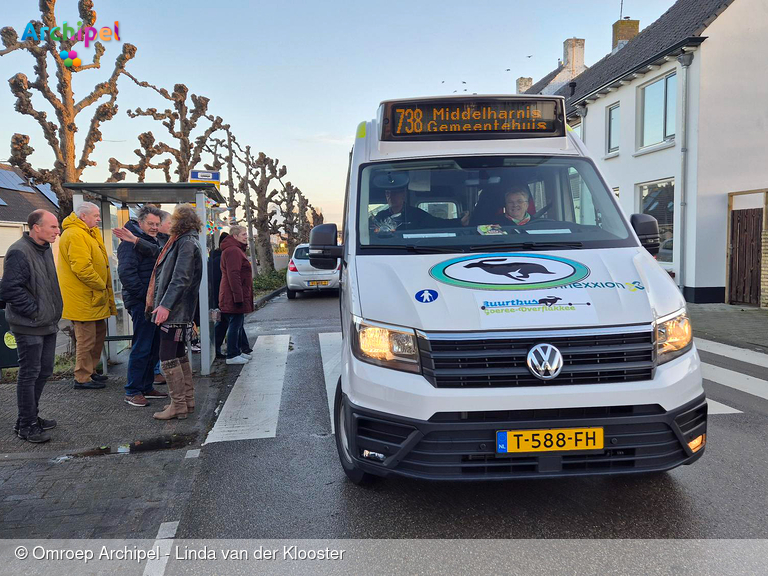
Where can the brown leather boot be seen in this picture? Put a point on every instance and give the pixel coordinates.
(189, 384)
(175, 378)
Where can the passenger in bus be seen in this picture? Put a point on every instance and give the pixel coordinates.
(400, 216)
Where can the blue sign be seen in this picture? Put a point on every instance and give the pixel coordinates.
(426, 296)
(204, 175)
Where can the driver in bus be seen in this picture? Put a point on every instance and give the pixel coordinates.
(516, 202)
(398, 215)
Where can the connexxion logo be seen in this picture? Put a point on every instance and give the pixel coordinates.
(509, 271)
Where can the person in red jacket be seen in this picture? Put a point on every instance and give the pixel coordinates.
(235, 291)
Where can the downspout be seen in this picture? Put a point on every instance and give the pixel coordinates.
(581, 111)
(685, 60)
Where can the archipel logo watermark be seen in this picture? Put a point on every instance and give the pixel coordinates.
(509, 271)
(65, 32)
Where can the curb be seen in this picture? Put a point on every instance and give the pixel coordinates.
(161, 442)
(264, 299)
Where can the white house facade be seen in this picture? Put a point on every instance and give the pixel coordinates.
(677, 119)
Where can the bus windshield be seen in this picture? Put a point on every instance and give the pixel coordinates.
(474, 203)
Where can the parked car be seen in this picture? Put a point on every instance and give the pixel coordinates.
(302, 276)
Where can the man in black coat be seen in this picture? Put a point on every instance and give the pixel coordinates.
(135, 269)
(30, 289)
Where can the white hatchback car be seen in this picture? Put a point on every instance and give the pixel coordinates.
(301, 275)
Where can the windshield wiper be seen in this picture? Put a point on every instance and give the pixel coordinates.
(416, 248)
(525, 246)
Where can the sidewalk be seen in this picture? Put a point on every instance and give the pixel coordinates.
(90, 420)
(739, 326)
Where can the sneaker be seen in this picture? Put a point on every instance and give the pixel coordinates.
(246, 356)
(195, 348)
(159, 379)
(44, 424)
(90, 385)
(137, 400)
(155, 394)
(237, 360)
(34, 434)
(96, 377)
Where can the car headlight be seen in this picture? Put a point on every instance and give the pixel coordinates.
(384, 345)
(674, 336)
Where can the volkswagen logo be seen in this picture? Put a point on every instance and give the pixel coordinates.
(544, 361)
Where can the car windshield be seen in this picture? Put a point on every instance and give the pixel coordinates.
(476, 203)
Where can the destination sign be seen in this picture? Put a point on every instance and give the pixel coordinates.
(465, 119)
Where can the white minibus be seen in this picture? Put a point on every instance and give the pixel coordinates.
(501, 317)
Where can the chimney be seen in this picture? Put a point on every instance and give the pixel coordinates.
(623, 31)
(573, 55)
(523, 84)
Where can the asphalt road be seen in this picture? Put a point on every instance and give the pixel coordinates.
(292, 486)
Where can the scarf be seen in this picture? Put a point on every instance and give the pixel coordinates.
(150, 302)
(524, 220)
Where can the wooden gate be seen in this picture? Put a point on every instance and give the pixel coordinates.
(746, 255)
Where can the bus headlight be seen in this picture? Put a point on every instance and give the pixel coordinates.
(674, 337)
(385, 345)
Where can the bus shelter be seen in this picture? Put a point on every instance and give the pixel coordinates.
(117, 200)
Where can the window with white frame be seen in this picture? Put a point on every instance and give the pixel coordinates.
(613, 129)
(658, 119)
(658, 200)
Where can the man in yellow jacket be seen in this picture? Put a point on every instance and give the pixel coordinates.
(86, 287)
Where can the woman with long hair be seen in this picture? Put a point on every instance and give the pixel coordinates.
(172, 301)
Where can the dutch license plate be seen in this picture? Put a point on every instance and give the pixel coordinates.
(553, 440)
(318, 283)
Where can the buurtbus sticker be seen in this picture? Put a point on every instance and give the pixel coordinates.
(509, 271)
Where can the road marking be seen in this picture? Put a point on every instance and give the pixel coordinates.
(735, 380)
(718, 408)
(741, 354)
(193, 453)
(253, 407)
(330, 351)
(163, 543)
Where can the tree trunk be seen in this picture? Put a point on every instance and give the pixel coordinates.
(249, 222)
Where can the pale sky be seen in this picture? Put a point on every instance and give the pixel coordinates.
(295, 78)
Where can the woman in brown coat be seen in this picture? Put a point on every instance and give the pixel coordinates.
(235, 291)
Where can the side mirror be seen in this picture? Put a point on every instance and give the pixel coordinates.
(647, 229)
(324, 248)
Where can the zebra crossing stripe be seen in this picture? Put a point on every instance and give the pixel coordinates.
(253, 407)
(740, 354)
(330, 350)
(716, 407)
(735, 380)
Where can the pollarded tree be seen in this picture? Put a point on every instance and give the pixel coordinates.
(148, 150)
(60, 135)
(317, 216)
(180, 121)
(263, 171)
(303, 223)
(289, 225)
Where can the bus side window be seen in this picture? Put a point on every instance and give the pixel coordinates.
(582, 199)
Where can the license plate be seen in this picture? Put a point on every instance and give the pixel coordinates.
(318, 283)
(552, 440)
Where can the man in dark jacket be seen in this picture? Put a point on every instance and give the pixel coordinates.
(135, 269)
(30, 289)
